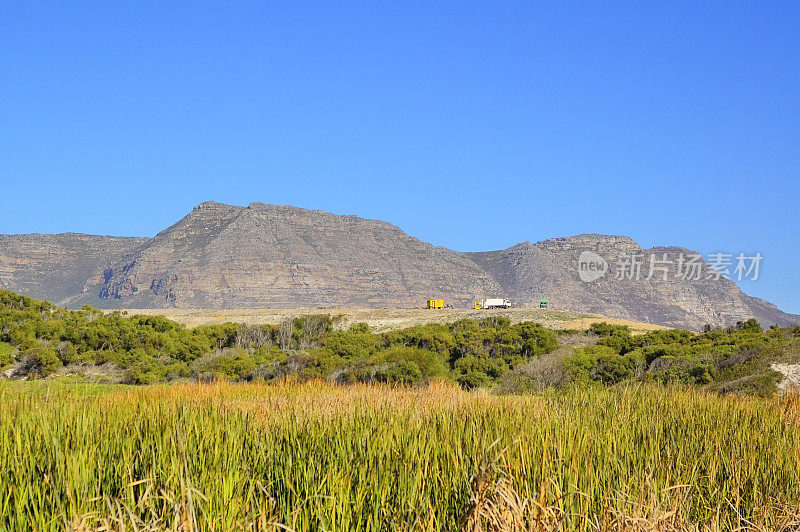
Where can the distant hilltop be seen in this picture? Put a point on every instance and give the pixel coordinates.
(271, 256)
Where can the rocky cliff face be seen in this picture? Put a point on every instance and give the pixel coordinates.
(273, 256)
(262, 255)
(681, 291)
(58, 267)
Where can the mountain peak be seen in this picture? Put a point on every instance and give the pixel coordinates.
(589, 241)
(264, 255)
(212, 205)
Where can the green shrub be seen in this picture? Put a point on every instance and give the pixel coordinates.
(396, 372)
(351, 344)
(146, 370)
(6, 354)
(68, 353)
(397, 365)
(477, 372)
(683, 369)
(41, 360)
(599, 363)
(432, 365)
(432, 337)
(606, 329)
(311, 364)
(232, 364)
(750, 325)
(474, 379)
(537, 340)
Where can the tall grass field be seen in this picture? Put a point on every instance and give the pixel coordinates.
(319, 456)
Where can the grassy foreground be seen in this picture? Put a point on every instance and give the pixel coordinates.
(318, 456)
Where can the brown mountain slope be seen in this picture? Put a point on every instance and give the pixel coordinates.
(275, 256)
(58, 267)
(225, 256)
(549, 269)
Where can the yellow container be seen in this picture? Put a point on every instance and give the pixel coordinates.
(436, 303)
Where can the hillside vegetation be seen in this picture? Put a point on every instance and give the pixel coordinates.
(38, 340)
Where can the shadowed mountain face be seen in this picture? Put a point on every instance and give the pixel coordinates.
(59, 267)
(224, 256)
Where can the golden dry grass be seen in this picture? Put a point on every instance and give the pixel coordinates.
(317, 456)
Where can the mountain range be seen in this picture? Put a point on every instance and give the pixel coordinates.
(227, 256)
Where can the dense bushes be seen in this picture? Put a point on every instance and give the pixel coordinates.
(735, 359)
(602, 364)
(39, 340)
(399, 365)
(36, 339)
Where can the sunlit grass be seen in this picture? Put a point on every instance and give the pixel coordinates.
(318, 456)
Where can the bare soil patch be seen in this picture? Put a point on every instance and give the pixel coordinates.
(382, 320)
(791, 376)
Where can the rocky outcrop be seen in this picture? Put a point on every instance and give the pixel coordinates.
(681, 291)
(225, 256)
(59, 267)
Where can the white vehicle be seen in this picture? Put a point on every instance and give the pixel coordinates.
(496, 303)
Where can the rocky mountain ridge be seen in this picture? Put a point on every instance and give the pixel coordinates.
(226, 256)
(691, 298)
(59, 267)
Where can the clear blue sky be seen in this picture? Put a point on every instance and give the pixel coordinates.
(474, 127)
